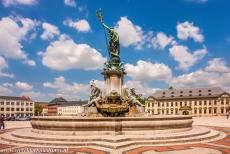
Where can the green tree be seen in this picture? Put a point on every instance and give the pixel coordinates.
(37, 109)
(170, 87)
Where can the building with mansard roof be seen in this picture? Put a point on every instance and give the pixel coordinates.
(194, 101)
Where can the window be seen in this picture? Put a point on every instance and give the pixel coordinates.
(167, 112)
(167, 104)
(171, 103)
(215, 110)
(22, 104)
(190, 91)
(12, 103)
(199, 91)
(181, 92)
(22, 109)
(31, 104)
(17, 109)
(200, 111)
(172, 92)
(210, 111)
(27, 109)
(7, 109)
(163, 93)
(12, 109)
(209, 90)
(2, 103)
(222, 110)
(148, 104)
(180, 104)
(222, 102)
(176, 111)
(205, 111)
(195, 103)
(215, 102)
(171, 111)
(181, 95)
(7, 103)
(17, 103)
(2, 109)
(27, 104)
(205, 103)
(195, 111)
(163, 96)
(159, 104)
(190, 94)
(172, 96)
(210, 103)
(200, 95)
(200, 103)
(176, 103)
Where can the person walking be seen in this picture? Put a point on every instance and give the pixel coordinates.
(228, 112)
(2, 125)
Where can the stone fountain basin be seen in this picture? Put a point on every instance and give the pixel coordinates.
(68, 125)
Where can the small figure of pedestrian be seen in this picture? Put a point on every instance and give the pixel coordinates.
(228, 112)
(2, 124)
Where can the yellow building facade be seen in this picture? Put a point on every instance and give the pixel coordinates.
(195, 102)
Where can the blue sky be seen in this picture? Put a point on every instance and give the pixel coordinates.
(55, 48)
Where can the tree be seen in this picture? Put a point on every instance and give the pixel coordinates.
(170, 87)
(37, 109)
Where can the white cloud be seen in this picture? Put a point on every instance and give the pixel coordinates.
(80, 25)
(140, 87)
(207, 77)
(129, 33)
(161, 40)
(187, 30)
(67, 90)
(14, 31)
(30, 62)
(32, 94)
(7, 3)
(217, 65)
(65, 54)
(9, 85)
(146, 71)
(23, 85)
(49, 31)
(71, 3)
(5, 90)
(4, 65)
(198, 1)
(186, 59)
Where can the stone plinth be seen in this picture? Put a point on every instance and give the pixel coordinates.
(113, 81)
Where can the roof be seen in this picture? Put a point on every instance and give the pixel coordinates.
(73, 103)
(23, 98)
(58, 100)
(188, 93)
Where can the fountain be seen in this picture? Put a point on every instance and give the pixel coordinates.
(112, 119)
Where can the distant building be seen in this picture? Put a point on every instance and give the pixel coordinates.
(44, 107)
(16, 106)
(71, 108)
(60, 106)
(196, 102)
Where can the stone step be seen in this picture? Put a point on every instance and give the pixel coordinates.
(28, 134)
(7, 137)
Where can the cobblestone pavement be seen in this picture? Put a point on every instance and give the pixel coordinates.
(216, 147)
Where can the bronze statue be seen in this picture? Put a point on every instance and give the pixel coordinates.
(113, 47)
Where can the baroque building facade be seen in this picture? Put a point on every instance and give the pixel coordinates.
(16, 106)
(195, 102)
